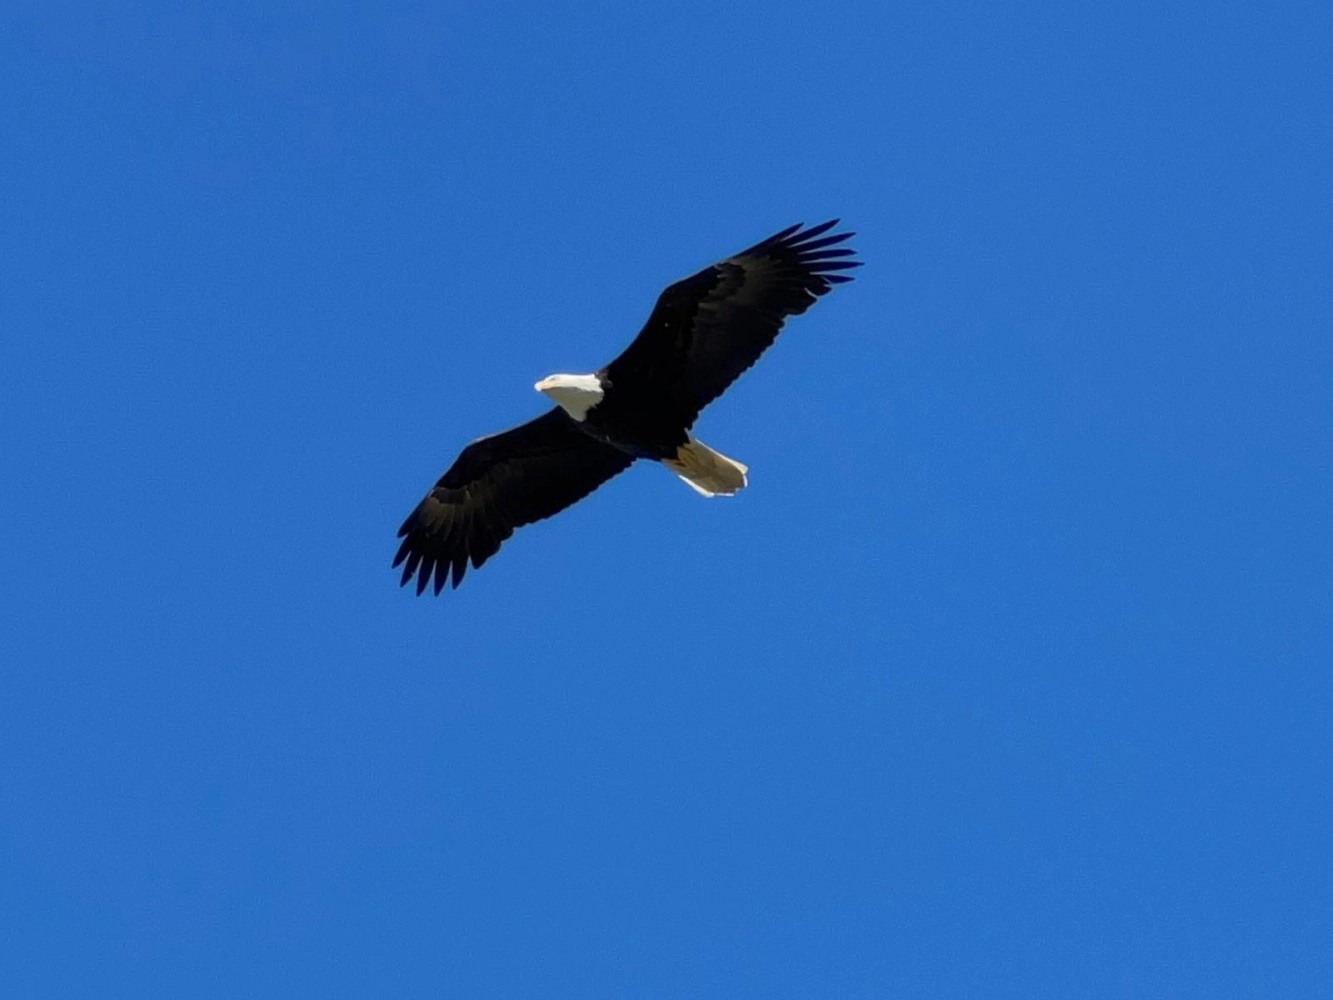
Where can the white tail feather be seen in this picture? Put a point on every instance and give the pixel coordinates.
(706, 471)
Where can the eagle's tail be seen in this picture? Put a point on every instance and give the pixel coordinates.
(707, 471)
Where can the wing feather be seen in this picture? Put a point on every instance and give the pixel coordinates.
(708, 329)
(497, 484)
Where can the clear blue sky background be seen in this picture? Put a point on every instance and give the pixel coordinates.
(1008, 676)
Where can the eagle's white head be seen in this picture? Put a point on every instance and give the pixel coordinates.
(576, 394)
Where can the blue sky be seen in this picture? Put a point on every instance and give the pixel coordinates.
(1008, 676)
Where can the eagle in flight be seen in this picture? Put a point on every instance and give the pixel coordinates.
(703, 332)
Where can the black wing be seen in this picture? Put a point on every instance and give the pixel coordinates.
(497, 484)
(708, 329)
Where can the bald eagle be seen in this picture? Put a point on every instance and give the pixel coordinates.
(703, 332)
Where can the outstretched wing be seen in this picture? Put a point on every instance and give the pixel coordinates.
(497, 484)
(708, 329)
